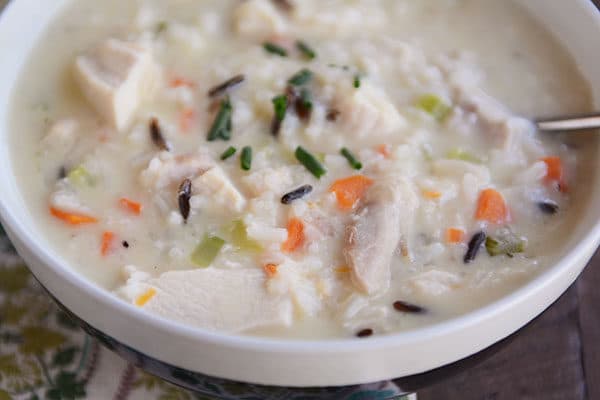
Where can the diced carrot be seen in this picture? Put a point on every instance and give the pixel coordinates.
(145, 298)
(455, 235)
(180, 81)
(296, 237)
(555, 173)
(131, 206)
(342, 270)
(349, 191)
(432, 194)
(186, 119)
(72, 218)
(107, 242)
(384, 150)
(491, 207)
(270, 270)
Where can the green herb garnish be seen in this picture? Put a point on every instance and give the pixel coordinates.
(273, 48)
(301, 78)
(221, 128)
(505, 245)
(354, 163)
(306, 50)
(357, 81)
(228, 153)
(207, 251)
(310, 162)
(434, 106)
(161, 27)
(280, 103)
(246, 158)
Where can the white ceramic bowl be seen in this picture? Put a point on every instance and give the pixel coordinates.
(279, 362)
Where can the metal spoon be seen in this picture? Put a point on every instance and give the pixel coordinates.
(570, 123)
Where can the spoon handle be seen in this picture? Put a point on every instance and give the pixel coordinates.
(572, 123)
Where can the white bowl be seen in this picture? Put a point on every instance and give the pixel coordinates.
(284, 362)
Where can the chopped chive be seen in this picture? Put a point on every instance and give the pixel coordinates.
(221, 128)
(228, 84)
(228, 153)
(357, 81)
(246, 158)
(474, 246)
(275, 49)
(354, 163)
(296, 194)
(310, 162)
(306, 50)
(280, 105)
(301, 78)
(304, 104)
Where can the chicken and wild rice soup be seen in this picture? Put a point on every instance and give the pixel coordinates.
(314, 169)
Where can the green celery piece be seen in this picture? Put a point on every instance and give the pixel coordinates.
(239, 237)
(80, 176)
(207, 251)
(505, 245)
(460, 154)
(434, 106)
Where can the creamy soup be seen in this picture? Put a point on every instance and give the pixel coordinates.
(300, 168)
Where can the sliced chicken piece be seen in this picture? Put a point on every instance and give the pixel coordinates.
(367, 112)
(258, 18)
(116, 77)
(166, 169)
(214, 299)
(218, 191)
(372, 238)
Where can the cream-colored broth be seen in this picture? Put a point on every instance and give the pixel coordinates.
(518, 64)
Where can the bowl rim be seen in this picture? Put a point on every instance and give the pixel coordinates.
(61, 267)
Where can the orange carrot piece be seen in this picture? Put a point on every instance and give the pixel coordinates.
(384, 150)
(72, 218)
(186, 119)
(555, 172)
(107, 242)
(432, 194)
(455, 235)
(296, 237)
(491, 207)
(132, 206)
(342, 270)
(145, 298)
(270, 270)
(349, 191)
(180, 81)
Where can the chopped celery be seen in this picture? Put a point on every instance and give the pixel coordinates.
(434, 106)
(81, 177)
(206, 252)
(460, 154)
(508, 244)
(239, 237)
